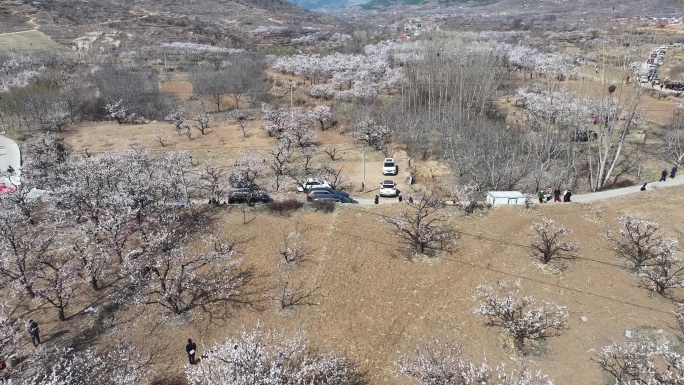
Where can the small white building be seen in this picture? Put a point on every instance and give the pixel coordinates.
(505, 198)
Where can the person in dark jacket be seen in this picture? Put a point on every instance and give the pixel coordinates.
(567, 196)
(643, 188)
(663, 176)
(191, 349)
(376, 200)
(34, 331)
(556, 195)
(674, 171)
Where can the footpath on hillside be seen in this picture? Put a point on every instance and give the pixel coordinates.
(607, 194)
(589, 197)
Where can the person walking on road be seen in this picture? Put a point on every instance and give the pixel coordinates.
(566, 197)
(556, 195)
(643, 188)
(34, 331)
(674, 171)
(663, 176)
(191, 349)
(376, 200)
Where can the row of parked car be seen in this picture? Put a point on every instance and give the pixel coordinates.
(314, 192)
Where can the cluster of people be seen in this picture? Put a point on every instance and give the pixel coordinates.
(555, 195)
(673, 172)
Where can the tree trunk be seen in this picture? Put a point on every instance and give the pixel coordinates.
(94, 284)
(60, 313)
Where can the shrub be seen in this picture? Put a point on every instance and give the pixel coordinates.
(323, 205)
(284, 206)
(618, 184)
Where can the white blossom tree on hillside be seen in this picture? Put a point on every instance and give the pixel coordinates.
(641, 362)
(515, 314)
(24, 245)
(548, 245)
(322, 115)
(121, 366)
(171, 274)
(639, 241)
(266, 357)
(664, 272)
(371, 134)
(10, 334)
(439, 363)
(247, 170)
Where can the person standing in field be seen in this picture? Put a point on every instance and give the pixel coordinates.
(34, 331)
(191, 349)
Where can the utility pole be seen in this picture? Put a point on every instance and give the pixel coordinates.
(291, 108)
(363, 160)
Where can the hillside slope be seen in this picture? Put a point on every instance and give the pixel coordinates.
(628, 7)
(224, 22)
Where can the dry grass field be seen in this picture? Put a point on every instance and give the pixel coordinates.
(28, 42)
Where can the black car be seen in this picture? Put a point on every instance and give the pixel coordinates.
(330, 190)
(247, 195)
(330, 197)
(583, 136)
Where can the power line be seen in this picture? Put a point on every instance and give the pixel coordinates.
(488, 268)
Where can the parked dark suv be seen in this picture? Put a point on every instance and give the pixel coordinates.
(330, 190)
(247, 195)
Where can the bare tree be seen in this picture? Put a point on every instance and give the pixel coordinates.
(515, 314)
(213, 180)
(548, 244)
(439, 363)
(639, 241)
(337, 179)
(279, 159)
(673, 137)
(160, 138)
(331, 151)
(620, 115)
(423, 225)
(208, 81)
(290, 294)
(294, 250)
(242, 123)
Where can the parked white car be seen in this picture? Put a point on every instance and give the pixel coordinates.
(306, 184)
(388, 189)
(389, 167)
